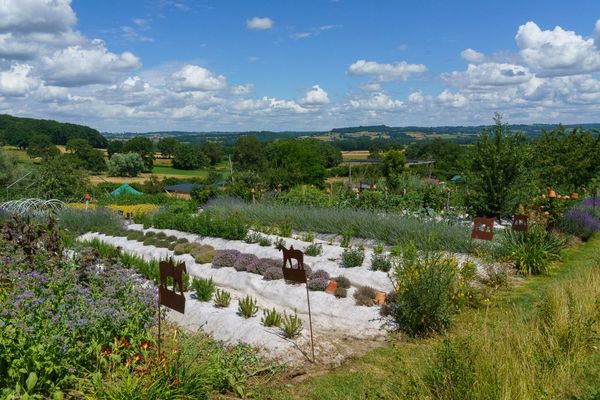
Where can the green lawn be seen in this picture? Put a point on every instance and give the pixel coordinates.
(200, 173)
(538, 340)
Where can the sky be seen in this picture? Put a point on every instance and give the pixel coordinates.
(218, 65)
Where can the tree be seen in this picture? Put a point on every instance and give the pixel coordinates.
(567, 160)
(115, 146)
(189, 156)
(166, 146)
(144, 147)
(129, 164)
(60, 179)
(394, 163)
(92, 159)
(249, 153)
(497, 166)
(42, 146)
(212, 151)
(295, 161)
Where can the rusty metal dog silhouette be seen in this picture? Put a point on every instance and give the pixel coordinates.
(291, 254)
(167, 270)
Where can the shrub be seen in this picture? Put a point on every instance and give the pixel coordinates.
(204, 288)
(222, 298)
(343, 282)
(247, 307)
(207, 223)
(308, 237)
(347, 236)
(261, 265)
(161, 235)
(284, 227)
(378, 248)
(273, 273)
(532, 251)
(171, 246)
(365, 296)
(80, 222)
(318, 284)
(252, 237)
(314, 250)
(341, 292)
(134, 235)
(319, 274)
(271, 318)
(202, 253)
(353, 258)
(162, 244)
(291, 325)
(150, 241)
(264, 241)
(425, 291)
(388, 307)
(225, 258)
(150, 234)
(581, 222)
(380, 262)
(182, 240)
(182, 248)
(244, 260)
(172, 238)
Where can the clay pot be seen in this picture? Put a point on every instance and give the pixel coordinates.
(575, 196)
(331, 287)
(552, 194)
(380, 298)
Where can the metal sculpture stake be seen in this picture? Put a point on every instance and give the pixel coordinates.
(483, 229)
(520, 223)
(167, 297)
(297, 275)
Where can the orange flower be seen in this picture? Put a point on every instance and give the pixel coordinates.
(136, 357)
(176, 381)
(124, 342)
(105, 351)
(145, 345)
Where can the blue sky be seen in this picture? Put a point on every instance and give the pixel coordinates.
(244, 65)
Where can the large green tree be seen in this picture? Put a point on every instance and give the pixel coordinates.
(128, 164)
(567, 160)
(144, 147)
(166, 146)
(295, 161)
(497, 170)
(249, 153)
(213, 151)
(189, 156)
(60, 179)
(42, 146)
(92, 159)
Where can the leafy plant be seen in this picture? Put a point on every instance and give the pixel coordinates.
(533, 250)
(291, 325)
(271, 318)
(203, 288)
(222, 298)
(247, 307)
(225, 258)
(341, 292)
(343, 282)
(380, 262)
(353, 258)
(347, 236)
(314, 249)
(279, 242)
(264, 241)
(308, 237)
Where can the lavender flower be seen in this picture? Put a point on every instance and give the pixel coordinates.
(244, 260)
(225, 258)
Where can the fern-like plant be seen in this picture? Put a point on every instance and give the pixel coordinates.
(271, 318)
(222, 298)
(247, 307)
(291, 325)
(314, 250)
(204, 288)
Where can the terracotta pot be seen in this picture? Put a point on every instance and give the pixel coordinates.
(331, 287)
(575, 196)
(552, 194)
(380, 298)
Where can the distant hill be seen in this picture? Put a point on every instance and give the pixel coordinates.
(17, 131)
(359, 134)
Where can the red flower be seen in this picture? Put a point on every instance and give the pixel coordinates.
(176, 381)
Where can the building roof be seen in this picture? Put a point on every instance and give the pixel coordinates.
(183, 187)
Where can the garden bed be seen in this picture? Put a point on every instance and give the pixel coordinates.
(341, 327)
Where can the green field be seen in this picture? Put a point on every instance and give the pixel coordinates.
(199, 173)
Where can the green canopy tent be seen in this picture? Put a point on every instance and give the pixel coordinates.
(125, 189)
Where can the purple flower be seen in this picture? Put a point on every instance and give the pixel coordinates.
(225, 258)
(244, 260)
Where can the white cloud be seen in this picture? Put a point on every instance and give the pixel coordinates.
(242, 90)
(194, 77)
(79, 65)
(371, 87)
(266, 105)
(377, 101)
(17, 81)
(416, 97)
(313, 32)
(386, 72)
(36, 15)
(557, 52)
(315, 96)
(472, 56)
(452, 99)
(260, 23)
(488, 75)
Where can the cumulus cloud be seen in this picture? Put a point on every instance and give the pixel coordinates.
(315, 96)
(472, 56)
(17, 81)
(448, 98)
(556, 52)
(260, 23)
(377, 101)
(488, 75)
(194, 77)
(386, 72)
(36, 15)
(416, 97)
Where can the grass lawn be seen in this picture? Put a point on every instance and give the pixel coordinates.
(163, 170)
(538, 340)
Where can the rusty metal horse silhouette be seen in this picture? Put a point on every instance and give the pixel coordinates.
(290, 273)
